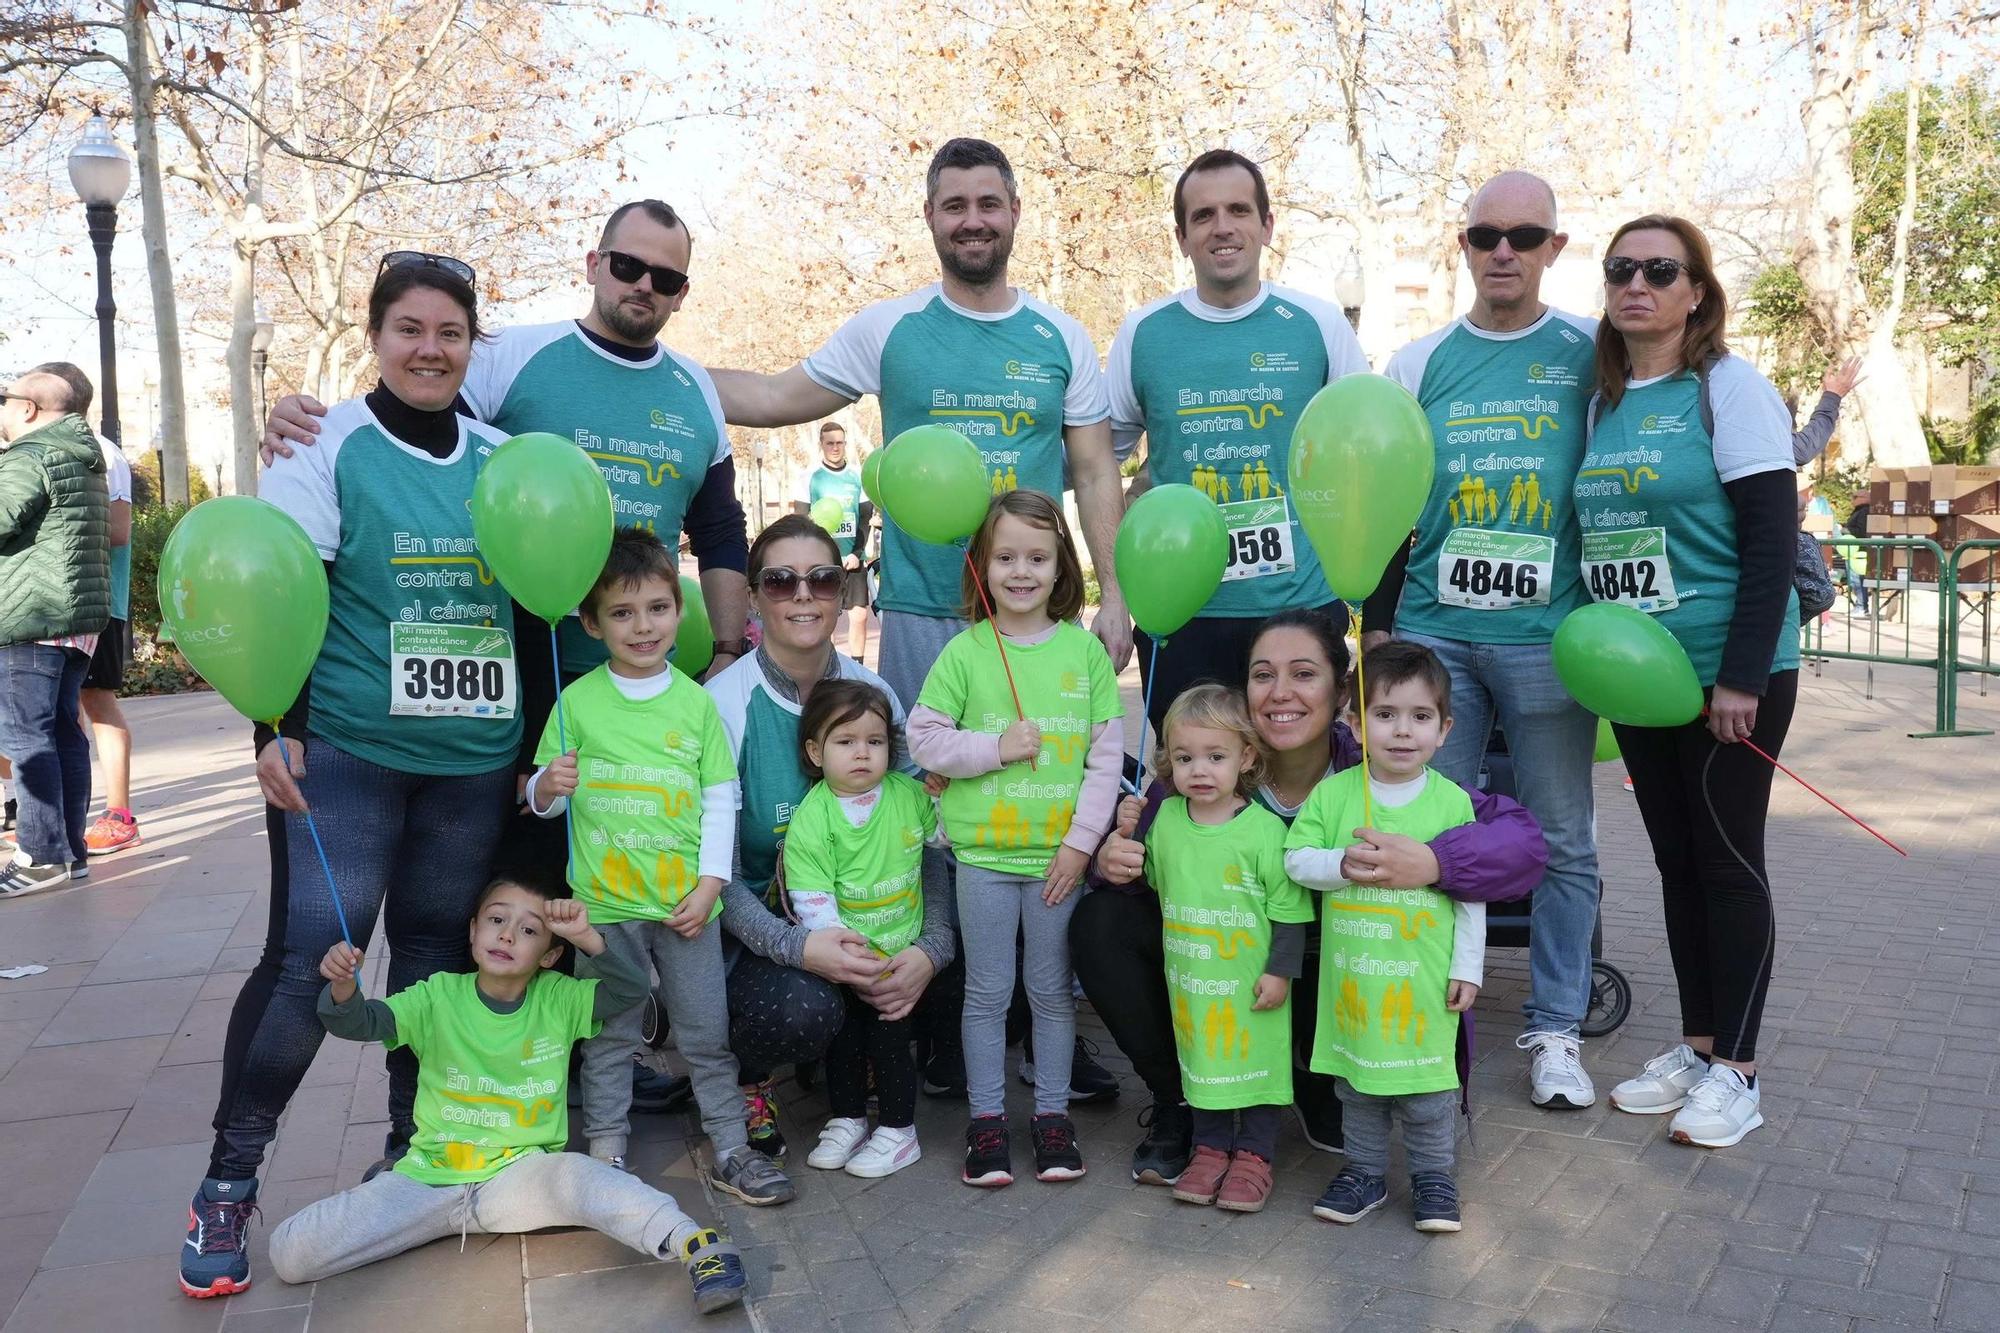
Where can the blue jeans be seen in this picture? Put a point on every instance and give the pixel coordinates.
(1551, 738)
(39, 732)
(420, 843)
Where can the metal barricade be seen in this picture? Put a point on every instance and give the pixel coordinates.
(1937, 656)
(1954, 610)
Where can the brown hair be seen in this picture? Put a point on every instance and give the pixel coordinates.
(835, 703)
(1701, 342)
(827, 428)
(791, 525)
(1218, 708)
(1036, 510)
(636, 555)
(1387, 665)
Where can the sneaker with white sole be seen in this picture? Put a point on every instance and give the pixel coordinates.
(1663, 1085)
(840, 1140)
(1556, 1078)
(886, 1152)
(1720, 1110)
(19, 878)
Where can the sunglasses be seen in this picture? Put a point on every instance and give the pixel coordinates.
(1660, 272)
(458, 268)
(1521, 238)
(781, 583)
(628, 268)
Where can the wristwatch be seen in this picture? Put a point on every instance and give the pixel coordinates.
(734, 647)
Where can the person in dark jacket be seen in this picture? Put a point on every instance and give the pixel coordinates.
(55, 596)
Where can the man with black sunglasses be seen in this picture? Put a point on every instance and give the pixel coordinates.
(1493, 570)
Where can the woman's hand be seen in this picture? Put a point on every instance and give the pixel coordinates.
(1732, 715)
(1270, 992)
(1064, 873)
(841, 956)
(895, 991)
(1121, 859)
(280, 780)
(1389, 861)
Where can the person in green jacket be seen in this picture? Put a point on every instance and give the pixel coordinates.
(55, 596)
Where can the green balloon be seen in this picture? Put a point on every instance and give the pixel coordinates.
(871, 476)
(244, 591)
(826, 512)
(1607, 743)
(541, 514)
(1622, 664)
(1172, 547)
(1360, 472)
(934, 484)
(694, 645)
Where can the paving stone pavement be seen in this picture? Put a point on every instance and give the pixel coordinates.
(1870, 1200)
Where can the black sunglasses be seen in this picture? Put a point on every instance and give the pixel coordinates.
(1660, 272)
(782, 583)
(1521, 238)
(628, 268)
(458, 268)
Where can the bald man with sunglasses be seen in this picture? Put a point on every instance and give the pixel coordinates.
(1494, 568)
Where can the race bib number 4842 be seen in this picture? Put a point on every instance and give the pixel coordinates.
(1495, 571)
(1630, 566)
(450, 671)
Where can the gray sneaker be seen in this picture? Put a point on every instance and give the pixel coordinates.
(18, 880)
(753, 1178)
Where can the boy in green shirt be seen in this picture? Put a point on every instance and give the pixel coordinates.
(492, 1106)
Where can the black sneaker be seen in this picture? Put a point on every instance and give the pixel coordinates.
(1351, 1196)
(215, 1261)
(79, 870)
(7, 816)
(1161, 1158)
(1317, 1107)
(989, 1161)
(1089, 1081)
(1056, 1157)
(944, 1073)
(1434, 1198)
(655, 1091)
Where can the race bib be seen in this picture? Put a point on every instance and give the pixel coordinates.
(450, 671)
(1630, 566)
(1495, 571)
(1260, 538)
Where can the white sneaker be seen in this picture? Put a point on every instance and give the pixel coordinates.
(1663, 1085)
(838, 1142)
(1557, 1075)
(1720, 1110)
(886, 1152)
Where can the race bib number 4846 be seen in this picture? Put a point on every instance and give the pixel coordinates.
(1630, 566)
(1495, 571)
(450, 671)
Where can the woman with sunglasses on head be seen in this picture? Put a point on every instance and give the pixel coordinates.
(1686, 503)
(402, 742)
(782, 1008)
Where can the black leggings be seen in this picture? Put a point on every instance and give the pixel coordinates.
(778, 1015)
(865, 1039)
(1704, 805)
(255, 996)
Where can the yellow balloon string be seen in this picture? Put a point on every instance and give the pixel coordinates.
(1361, 719)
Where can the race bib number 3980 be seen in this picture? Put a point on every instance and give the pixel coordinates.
(1630, 566)
(450, 671)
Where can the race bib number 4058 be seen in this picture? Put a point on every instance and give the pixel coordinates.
(1495, 571)
(1260, 538)
(1630, 566)
(450, 671)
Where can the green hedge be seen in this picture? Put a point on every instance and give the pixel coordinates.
(155, 669)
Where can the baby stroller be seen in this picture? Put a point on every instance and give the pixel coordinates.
(1507, 923)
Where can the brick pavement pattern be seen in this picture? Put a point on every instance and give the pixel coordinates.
(1870, 1200)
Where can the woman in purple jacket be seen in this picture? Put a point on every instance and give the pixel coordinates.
(1296, 685)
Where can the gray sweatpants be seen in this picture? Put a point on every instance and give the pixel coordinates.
(1430, 1127)
(693, 984)
(910, 646)
(992, 908)
(393, 1213)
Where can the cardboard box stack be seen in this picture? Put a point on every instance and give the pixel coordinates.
(1946, 503)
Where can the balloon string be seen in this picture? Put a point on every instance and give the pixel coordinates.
(1772, 759)
(332, 889)
(1361, 716)
(979, 586)
(562, 748)
(1152, 674)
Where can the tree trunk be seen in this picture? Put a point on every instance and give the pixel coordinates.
(159, 265)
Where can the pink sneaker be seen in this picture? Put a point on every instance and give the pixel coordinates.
(114, 832)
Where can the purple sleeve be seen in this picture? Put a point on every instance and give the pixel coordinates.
(1156, 796)
(1497, 858)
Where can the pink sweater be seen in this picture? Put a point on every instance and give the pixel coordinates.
(938, 745)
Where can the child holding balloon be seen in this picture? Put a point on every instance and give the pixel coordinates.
(1034, 750)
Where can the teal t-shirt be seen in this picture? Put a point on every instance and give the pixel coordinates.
(1659, 532)
(1008, 381)
(1495, 553)
(1216, 393)
(417, 671)
(652, 426)
(843, 486)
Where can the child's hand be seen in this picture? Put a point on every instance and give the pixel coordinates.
(558, 779)
(934, 784)
(1122, 859)
(692, 914)
(569, 920)
(339, 967)
(1064, 872)
(1020, 743)
(1458, 996)
(1271, 991)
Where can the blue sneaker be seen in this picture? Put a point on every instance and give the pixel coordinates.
(716, 1269)
(1434, 1196)
(216, 1260)
(1351, 1196)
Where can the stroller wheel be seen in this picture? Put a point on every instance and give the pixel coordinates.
(653, 1020)
(1610, 1000)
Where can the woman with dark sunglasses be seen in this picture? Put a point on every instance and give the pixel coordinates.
(402, 742)
(782, 1006)
(1686, 502)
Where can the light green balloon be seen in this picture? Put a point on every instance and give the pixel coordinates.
(541, 513)
(694, 645)
(1622, 664)
(871, 476)
(244, 591)
(1607, 743)
(934, 484)
(1360, 473)
(826, 512)
(1172, 548)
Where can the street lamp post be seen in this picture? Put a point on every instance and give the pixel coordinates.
(262, 332)
(1349, 288)
(101, 172)
(757, 448)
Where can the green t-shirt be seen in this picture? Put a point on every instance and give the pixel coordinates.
(875, 872)
(1385, 953)
(417, 670)
(1009, 381)
(1659, 532)
(1216, 393)
(490, 1087)
(1013, 819)
(1221, 887)
(653, 426)
(635, 820)
(1495, 555)
(843, 486)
